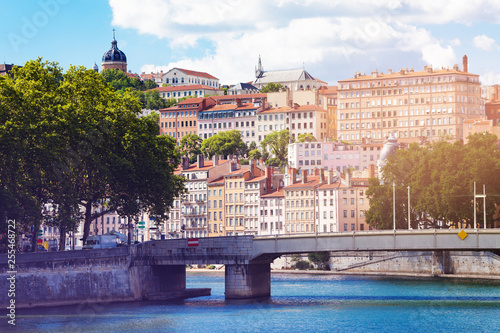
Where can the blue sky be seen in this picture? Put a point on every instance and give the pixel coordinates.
(332, 39)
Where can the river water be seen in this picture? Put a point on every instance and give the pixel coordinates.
(299, 303)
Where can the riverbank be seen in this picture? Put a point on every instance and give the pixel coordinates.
(221, 272)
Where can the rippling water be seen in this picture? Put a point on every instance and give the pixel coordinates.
(299, 303)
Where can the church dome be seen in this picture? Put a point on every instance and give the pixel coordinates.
(114, 54)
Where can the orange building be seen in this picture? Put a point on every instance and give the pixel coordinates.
(414, 105)
(181, 119)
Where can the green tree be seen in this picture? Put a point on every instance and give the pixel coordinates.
(28, 143)
(224, 143)
(255, 154)
(272, 87)
(190, 146)
(277, 142)
(320, 259)
(306, 137)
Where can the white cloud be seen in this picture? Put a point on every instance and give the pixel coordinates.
(484, 42)
(287, 33)
(490, 77)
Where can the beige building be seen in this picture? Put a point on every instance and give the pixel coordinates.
(215, 203)
(472, 126)
(425, 104)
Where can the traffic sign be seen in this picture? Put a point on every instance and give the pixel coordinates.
(192, 241)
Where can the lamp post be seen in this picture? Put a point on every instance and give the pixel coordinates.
(393, 205)
(409, 224)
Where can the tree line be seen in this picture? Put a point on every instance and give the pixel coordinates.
(441, 178)
(69, 142)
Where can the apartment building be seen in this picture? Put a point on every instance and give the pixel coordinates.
(193, 208)
(215, 203)
(330, 96)
(353, 204)
(181, 119)
(300, 203)
(189, 91)
(328, 195)
(272, 213)
(180, 77)
(432, 104)
(234, 184)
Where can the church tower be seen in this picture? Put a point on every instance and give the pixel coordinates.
(114, 58)
(259, 70)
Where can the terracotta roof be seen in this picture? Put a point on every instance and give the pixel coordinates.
(237, 172)
(222, 107)
(217, 181)
(299, 108)
(256, 179)
(226, 97)
(195, 73)
(327, 186)
(186, 87)
(275, 194)
(194, 167)
(311, 182)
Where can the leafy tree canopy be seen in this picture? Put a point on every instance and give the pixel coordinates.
(306, 137)
(272, 87)
(441, 179)
(224, 143)
(277, 142)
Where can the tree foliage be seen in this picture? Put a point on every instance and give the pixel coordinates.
(277, 142)
(67, 141)
(190, 146)
(272, 87)
(224, 143)
(441, 179)
(306, 137)
(320, 259)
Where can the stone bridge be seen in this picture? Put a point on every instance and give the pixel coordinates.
(247, 259)
(157, 269)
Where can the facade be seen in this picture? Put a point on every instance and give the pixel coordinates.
(295, 79)
(272, 213)
(189, 91)
(353, 204)
(216, 213)
(181, 119)
(472, 126)
(193, 219)
(255, 99)
(493, 112)
(181, 77)
(274, 119)
(330, 95)
(5, 68)
(414, 105)
(328, 195)
(114, 58)
(234, 183)
(218, 118)
(300, 203)
(156, 77)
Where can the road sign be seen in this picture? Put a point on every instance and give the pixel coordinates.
(192, 241)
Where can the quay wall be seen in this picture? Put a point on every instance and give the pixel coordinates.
(462, 263)
(74, 277)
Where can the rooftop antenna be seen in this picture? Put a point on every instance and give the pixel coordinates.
(113, 33)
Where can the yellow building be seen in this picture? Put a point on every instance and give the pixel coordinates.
(234, 189)
(414, 105)
(216, 208)
(300, 202)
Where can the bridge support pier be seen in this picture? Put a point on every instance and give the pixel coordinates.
(248, 281)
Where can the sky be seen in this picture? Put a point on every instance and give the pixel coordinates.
(331, 39)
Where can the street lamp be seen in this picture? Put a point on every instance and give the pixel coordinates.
(393, 205)
(409, 225)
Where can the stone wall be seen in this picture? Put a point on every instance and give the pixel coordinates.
(468, 263)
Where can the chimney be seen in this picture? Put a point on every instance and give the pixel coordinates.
(316, 172)
(184, 163)
(304, 176)
(348, 177)
(238, 101)
(269, 175)
(321, 177)
(215, 160)
(252, 168)
(371, 171)
(201, 161)
(330, 177)
(293, 175)
(234, 165)
(465, 64)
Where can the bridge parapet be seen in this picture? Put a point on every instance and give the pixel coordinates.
(200, 251)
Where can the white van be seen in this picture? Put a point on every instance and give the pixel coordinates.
(101, 242)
